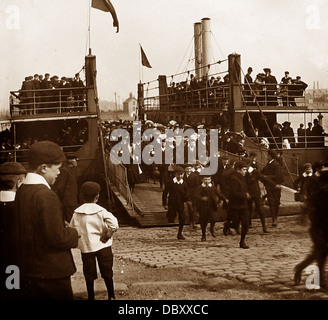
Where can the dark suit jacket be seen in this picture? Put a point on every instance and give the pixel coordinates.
(43, 240)
(253, 179)
(66, 187)
(192, 182)
(238, 192)
(212, 194)
(174, 194)
(272, 171)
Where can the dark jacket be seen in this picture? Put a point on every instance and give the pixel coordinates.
(43, 240)
(272, 171)
(212, 194)
(66, 187)
(238, 191)
(253, 179)
(174, 194)
(192, 182)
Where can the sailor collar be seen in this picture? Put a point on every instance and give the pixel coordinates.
(176, 181)
(206, 185)
(34, 178)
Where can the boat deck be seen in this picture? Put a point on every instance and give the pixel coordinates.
(149, 211)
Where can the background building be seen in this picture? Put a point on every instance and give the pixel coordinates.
(130, 106)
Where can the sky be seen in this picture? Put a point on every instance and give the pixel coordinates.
(40, 36)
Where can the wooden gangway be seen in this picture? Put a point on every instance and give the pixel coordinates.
(149, 211)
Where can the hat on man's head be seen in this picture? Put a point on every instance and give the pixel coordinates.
(267, 70)
(90, 190)
(307, 166)
(12, 168)
(178, 169)
(240, 164)
(44, 152)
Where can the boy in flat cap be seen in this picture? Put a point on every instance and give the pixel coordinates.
(207, 197)
(176, 192)
(12, 175)
(96, 226)
(44, 241)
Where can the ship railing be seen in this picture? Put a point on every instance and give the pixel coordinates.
(291, 142)
(59, 100)
(119, 179)
(215, 97)
(19, 154)
(271, 94)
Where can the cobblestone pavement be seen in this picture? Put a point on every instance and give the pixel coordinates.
(269, 262)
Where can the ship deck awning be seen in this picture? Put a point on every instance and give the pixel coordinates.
(54, 116)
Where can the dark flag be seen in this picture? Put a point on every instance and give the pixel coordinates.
(105, 5)
(144, 59)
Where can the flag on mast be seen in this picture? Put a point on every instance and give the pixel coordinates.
(144, 59)
(105, 5)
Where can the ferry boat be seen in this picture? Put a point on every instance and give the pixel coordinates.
(223, 101)
(227, 104)
(68, 116)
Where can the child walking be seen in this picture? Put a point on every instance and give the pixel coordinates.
(96, 226)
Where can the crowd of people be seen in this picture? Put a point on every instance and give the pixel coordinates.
(41, 222)
(204, 92)
(213, 91)
(45, 94)
(265, 89)
(70, 136)
(39, 225)
(283, 136)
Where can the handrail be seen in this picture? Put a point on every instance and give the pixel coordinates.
(56, 100)
(119, 179)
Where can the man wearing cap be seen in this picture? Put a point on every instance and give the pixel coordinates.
(176, 192)
(45, 85)
(78, 92)
(207, 197)
(285, 82)
(248, 80)
(287, 132)
(192, 181)
(12, 175)
(318, 134)
(271, 87)
(44, 241)
(272, 171)
(66, 186)
(238, 200)
(299, 86)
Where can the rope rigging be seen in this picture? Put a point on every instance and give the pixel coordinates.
(263, 117)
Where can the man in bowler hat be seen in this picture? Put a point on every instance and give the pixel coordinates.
(45, 260)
